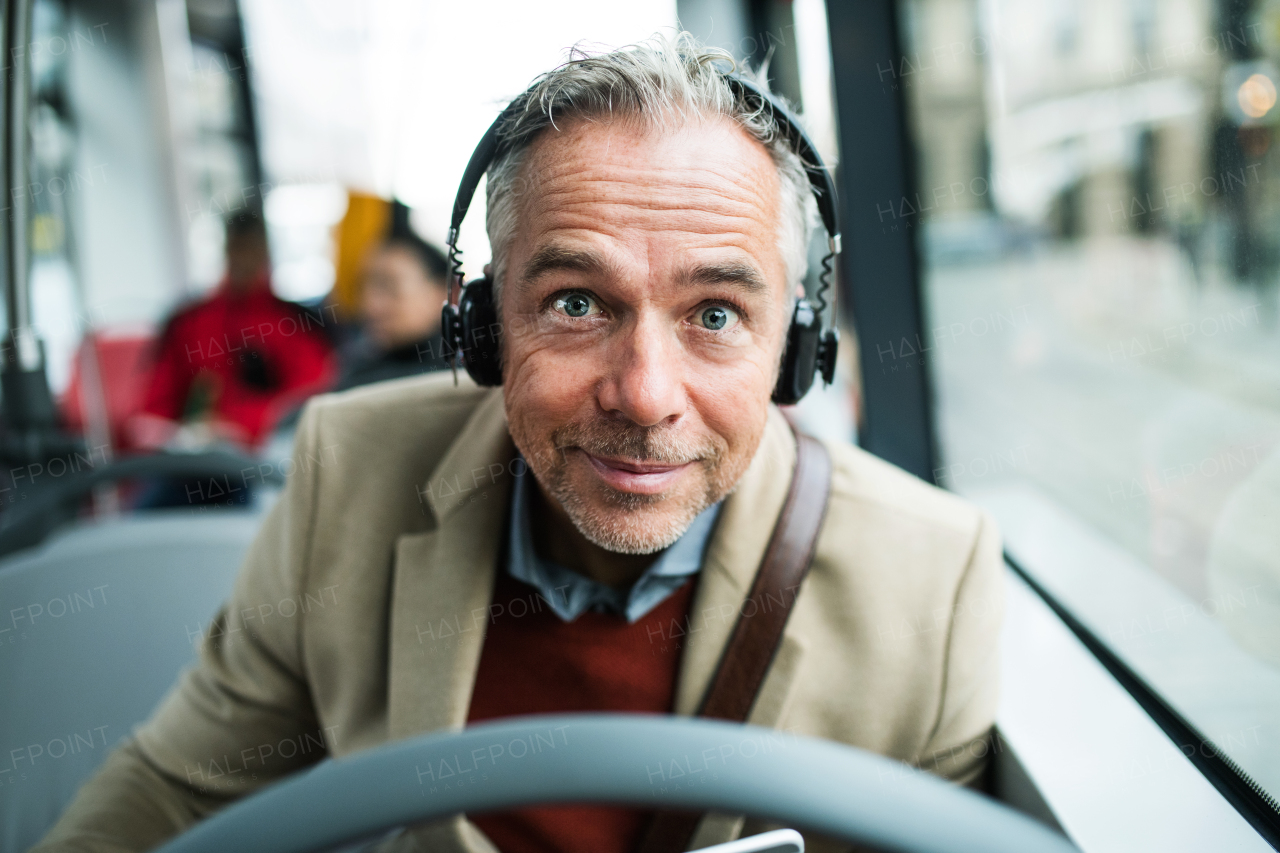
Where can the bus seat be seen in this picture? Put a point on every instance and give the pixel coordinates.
(124, 362)
(94, 628)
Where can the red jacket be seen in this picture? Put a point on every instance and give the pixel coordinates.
(243, 358)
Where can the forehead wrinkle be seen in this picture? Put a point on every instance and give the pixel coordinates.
(578, 207)
(579, 179)
(735, 229)
(587, 153)
(739, 228)
(637, 186)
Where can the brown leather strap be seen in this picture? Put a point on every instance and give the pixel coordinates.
(758, 631)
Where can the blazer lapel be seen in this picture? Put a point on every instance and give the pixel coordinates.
(443, 579)
(733, 556)
(442, 589)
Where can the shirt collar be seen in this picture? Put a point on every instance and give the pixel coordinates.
(570, 594)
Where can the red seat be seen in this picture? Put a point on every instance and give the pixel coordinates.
(124, 363)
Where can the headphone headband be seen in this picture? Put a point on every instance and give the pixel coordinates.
(481, 158)
(824, 190)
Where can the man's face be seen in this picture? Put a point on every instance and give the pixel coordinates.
(247, 257)
(643, 310)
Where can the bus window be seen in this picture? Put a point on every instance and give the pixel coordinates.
(1097, 214)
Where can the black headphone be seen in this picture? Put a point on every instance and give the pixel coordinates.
(471, 329)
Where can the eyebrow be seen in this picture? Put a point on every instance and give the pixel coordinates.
(551, 259)
(559, 259)
(732, 272)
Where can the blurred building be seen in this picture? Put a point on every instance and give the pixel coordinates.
(1096, 118)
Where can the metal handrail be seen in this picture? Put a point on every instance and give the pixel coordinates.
(50, 507)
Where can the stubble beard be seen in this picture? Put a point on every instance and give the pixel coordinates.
(623, 522)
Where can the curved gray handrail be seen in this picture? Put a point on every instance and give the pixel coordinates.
(31, 522)
(642, 760)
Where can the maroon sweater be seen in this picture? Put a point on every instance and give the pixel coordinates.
(533, 663)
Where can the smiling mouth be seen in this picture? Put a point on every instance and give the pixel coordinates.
(636, 476)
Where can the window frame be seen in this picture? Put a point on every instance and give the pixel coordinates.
(881, 282)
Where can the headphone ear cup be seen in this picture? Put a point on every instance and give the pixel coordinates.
(480, 333)
(827, 351)
(800, 357)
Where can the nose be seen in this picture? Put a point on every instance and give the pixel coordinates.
(644, 377)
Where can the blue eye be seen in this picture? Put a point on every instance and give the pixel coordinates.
(576, 305)
(717, 318)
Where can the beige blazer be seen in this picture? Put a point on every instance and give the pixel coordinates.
(359, 615)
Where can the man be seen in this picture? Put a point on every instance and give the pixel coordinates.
(401, 291)
(649, 233)
(230, 365)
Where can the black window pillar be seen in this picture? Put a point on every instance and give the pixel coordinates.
(880, 271)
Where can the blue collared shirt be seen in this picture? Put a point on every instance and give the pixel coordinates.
(570, 594)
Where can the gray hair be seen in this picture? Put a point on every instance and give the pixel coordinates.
(661, 80)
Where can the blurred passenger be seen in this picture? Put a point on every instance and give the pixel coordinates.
(227, 367)
(402, 288)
